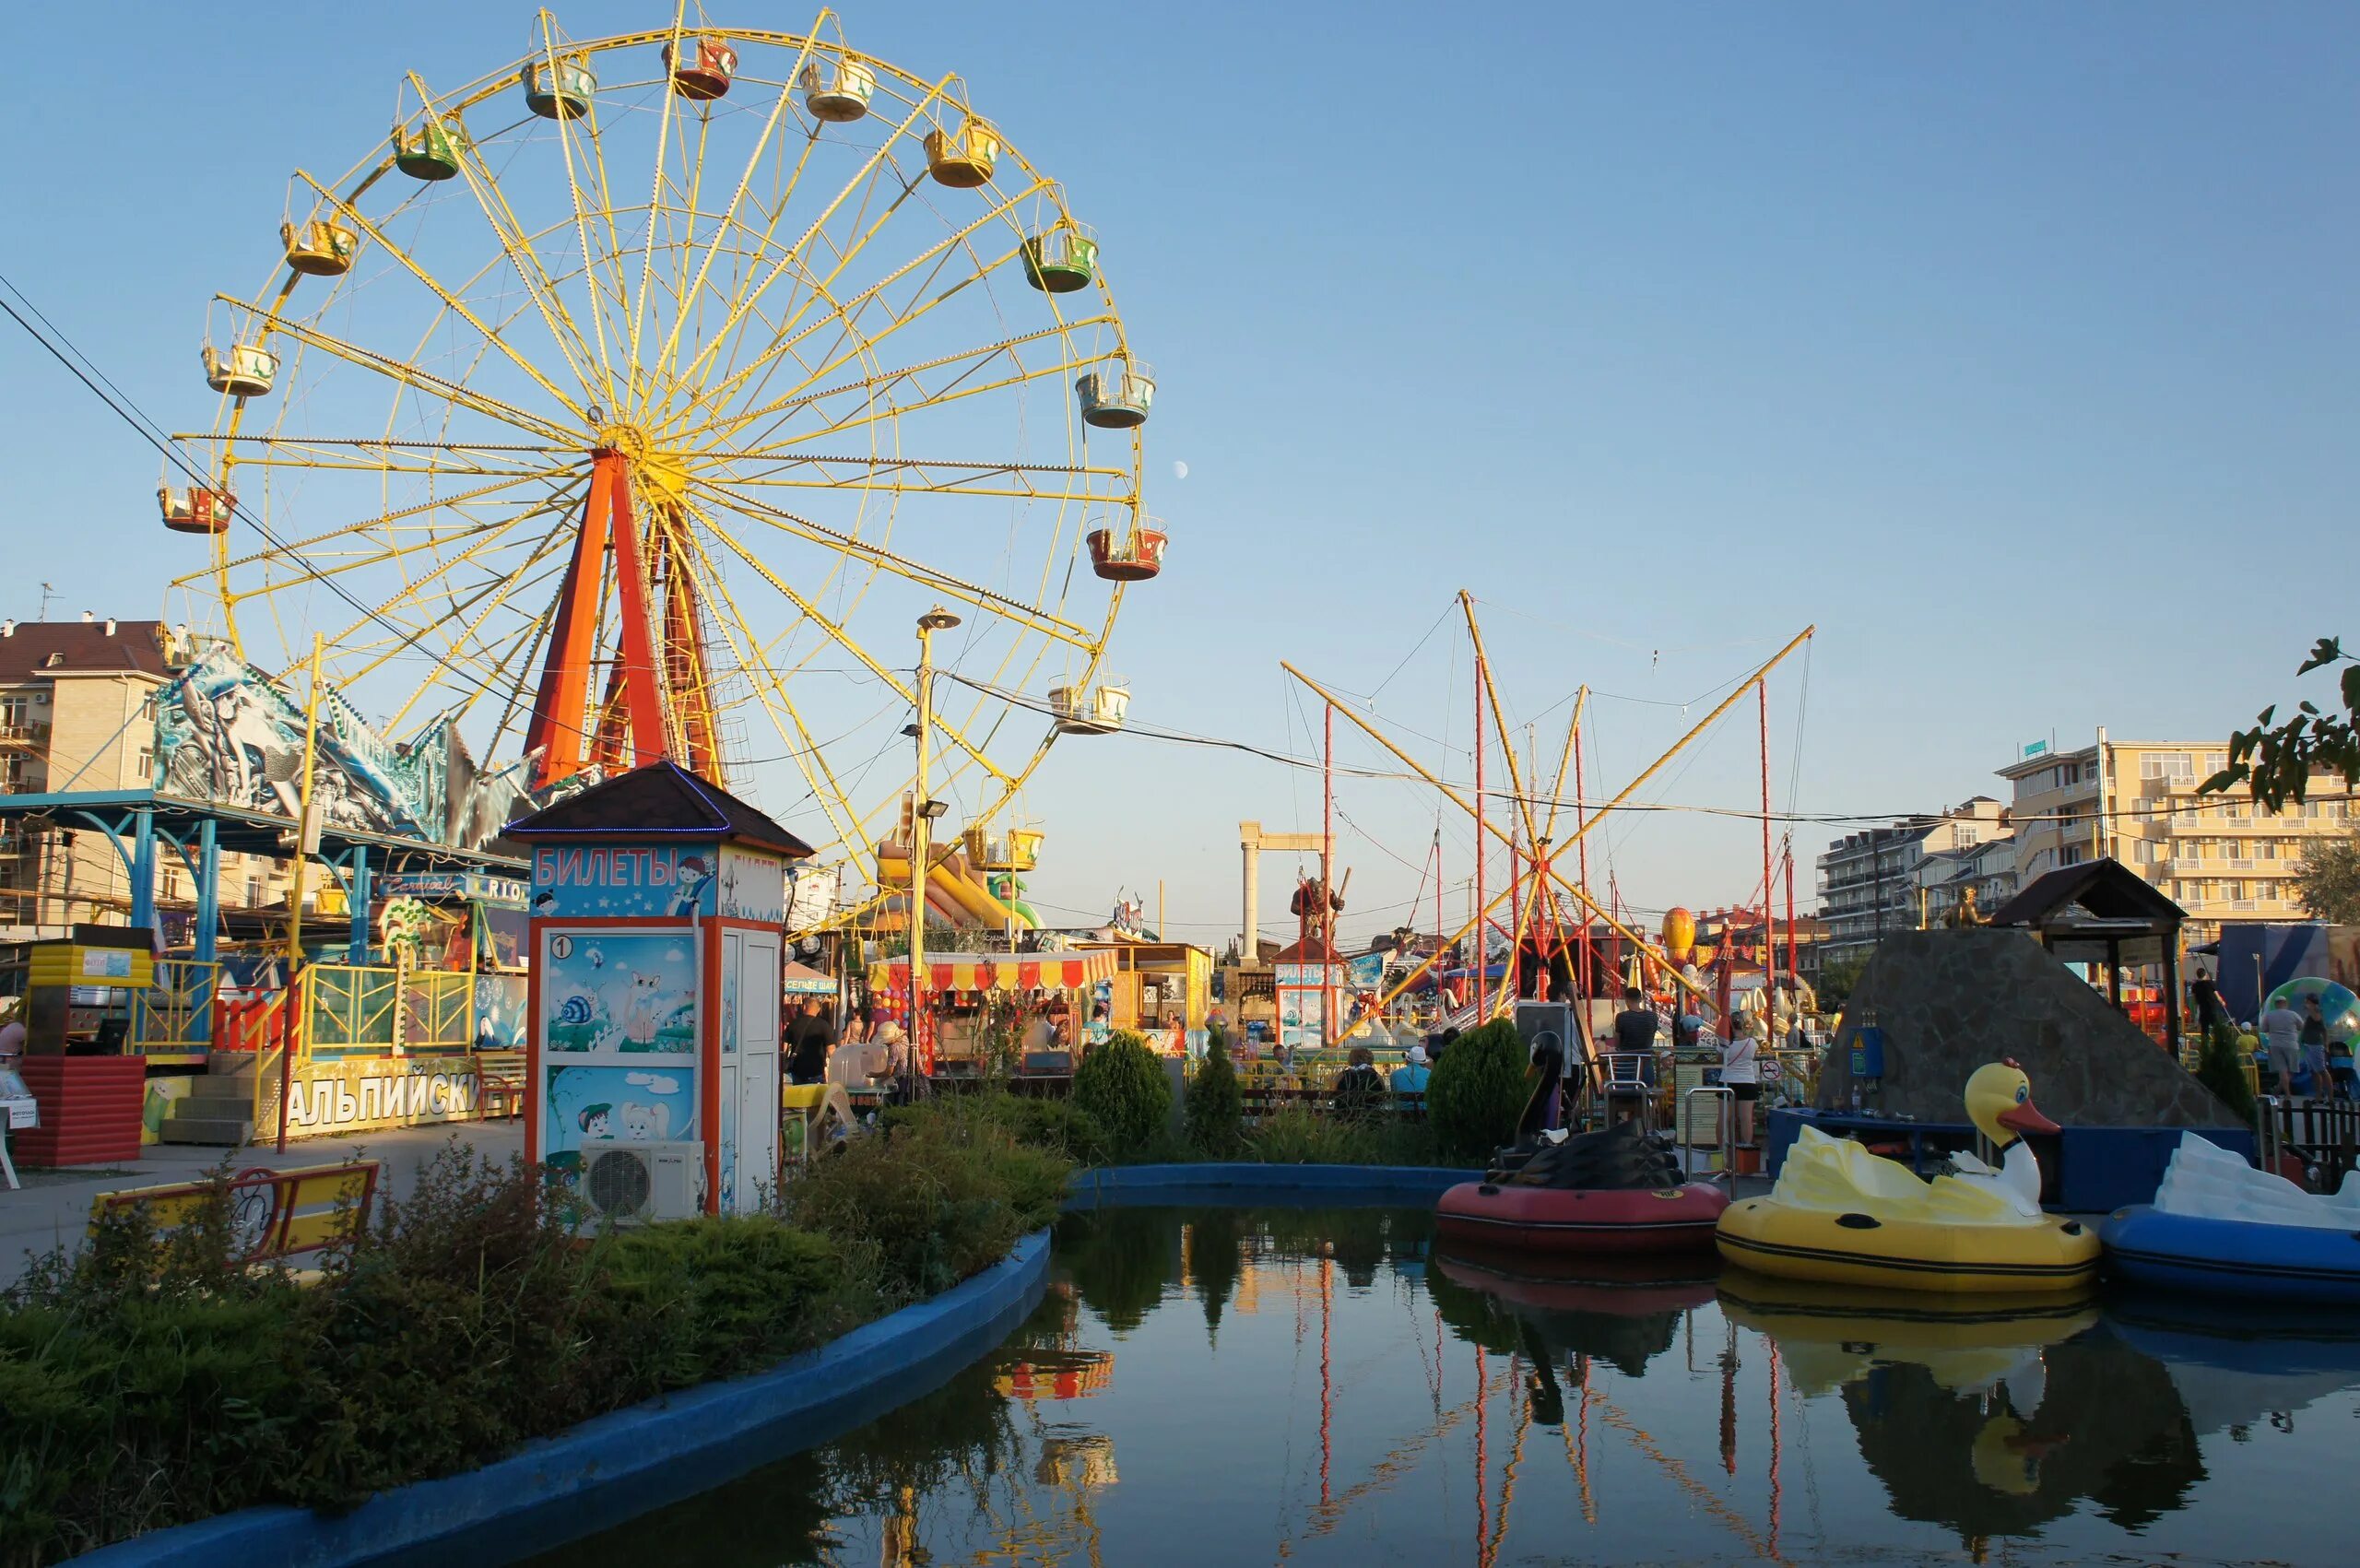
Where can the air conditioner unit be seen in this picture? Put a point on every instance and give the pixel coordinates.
(631, 1183)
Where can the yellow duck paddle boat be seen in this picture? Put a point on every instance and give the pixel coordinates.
(1841, 1214)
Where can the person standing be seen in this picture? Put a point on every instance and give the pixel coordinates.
(1634, 1031)
(2314, 1040)
(2210, 1013)
(2282, 1028)
(806, 1057)
(1741, 1075)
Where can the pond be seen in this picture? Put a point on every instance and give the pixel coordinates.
(1224, 1386)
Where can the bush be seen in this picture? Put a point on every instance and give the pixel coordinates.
(2219, 1070)
(148, 1383)
(1059, 1126)
(1215, 1110)
(1478, 1090)
(1297, 1135)
(933, 1200)
(1122, 1086)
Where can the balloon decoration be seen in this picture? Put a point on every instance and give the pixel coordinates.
(1678, 934)
(2337, 1004)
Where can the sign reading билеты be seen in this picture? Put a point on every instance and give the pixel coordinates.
(636, 882)
(373, 1093)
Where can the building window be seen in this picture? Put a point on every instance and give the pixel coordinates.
(1967, 836)
(147, 763)
(2175, 765)
(253, 892)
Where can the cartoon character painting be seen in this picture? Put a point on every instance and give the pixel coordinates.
(695, 874)
(646, 1123)
(597, 1121)
(642, 1014)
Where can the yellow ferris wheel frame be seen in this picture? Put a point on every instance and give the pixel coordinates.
(604, 435)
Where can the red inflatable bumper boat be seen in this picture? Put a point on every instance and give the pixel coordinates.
(1602, 1192)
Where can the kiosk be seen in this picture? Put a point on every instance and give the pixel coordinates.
(654, 942)
(75, 1009)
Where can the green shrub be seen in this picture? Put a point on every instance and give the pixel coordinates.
(933, 1200)
(1297, 1135)
(148, 1382)
(1057, 1125)
(1121, 1085)
(1477, 1093)
(2219, 1070)
(1215, 1110)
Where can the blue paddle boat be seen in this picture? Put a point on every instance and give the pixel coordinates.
(2220, 1227)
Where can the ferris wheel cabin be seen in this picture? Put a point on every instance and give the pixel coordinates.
(430, 152)
(244, 370)
(195, 509)
(1117, 399)
(1134, 558)
(962, 159)
(703, 68)
(1061, 259)
(319, 249)
(562, 92)
(835, 91)
(1019, 849)
(1082, 710)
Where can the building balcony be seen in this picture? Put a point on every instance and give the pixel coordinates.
(29, 734)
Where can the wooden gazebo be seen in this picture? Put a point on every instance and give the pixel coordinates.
(2102, 911)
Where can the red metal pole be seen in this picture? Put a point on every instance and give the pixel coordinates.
(1581, 846)
(1328, 879)
(1482, 920)
(1769, 931)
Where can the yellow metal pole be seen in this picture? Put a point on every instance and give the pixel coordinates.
(921, 832)
(1499, 716)
(293, 1030)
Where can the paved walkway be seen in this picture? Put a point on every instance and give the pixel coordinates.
(54, 1206)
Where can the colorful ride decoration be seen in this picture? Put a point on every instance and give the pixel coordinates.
(404, 926)
(637, 504)
(2339, 1007)
(1841, 1214)
(1680, 936)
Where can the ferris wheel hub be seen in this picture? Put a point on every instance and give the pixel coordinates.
(659, 468)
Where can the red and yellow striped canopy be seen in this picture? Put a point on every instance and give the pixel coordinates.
(1008, 971)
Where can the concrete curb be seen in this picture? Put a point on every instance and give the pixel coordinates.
(1339, 1185)
(624, 1464)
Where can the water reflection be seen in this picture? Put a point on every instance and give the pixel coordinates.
(1325, 1386)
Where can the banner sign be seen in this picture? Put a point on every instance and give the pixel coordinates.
(370, 1093)
(668, 882)
(228, 735)
(500, 892)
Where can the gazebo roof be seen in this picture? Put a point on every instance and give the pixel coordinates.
(2097, 897)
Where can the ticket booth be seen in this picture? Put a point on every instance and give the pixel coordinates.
(75, 1002)
(655, 934)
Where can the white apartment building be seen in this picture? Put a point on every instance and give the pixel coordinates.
(1868, 881)
(2219, 858)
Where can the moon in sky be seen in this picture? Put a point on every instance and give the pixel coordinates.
(1179, 470)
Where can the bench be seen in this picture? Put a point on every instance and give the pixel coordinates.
(500, 1074)
(275, 1215)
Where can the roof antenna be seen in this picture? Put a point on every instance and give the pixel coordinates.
(48, 592)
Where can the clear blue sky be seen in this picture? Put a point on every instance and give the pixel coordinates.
(2014, 346)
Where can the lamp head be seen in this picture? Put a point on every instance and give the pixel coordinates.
(937, 619)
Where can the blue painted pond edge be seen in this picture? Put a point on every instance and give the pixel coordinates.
(1346, 1185)
(624, 1464)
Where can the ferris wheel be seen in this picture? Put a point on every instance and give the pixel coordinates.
(634, 399)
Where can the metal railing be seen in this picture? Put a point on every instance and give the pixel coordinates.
(437, 1009)
(342, 1005)
(1724, 1128)
(175, 1014)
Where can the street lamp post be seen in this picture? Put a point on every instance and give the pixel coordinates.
(924, 811)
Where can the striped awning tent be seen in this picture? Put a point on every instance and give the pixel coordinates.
(1008, 971)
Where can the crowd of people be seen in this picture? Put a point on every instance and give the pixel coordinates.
(2290, 1045)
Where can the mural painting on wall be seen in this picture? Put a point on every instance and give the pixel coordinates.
(500, 1012)
(228, 735)
(618, 992)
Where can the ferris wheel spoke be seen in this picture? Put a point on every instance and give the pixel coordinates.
(728, 219)
(743, 302)
(786, 341)
(435, 286)
(797, 399)
(866, 478)
(1030, 617)
(282, 551)
(805, 750)
(895, 413)
(516, 246)
(547, 557)
(843, 640)
(406, 374)
(582, 224)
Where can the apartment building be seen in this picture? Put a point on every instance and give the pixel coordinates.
(2220, 857)
(1868, 880)
(1944, 878)
(77, 713)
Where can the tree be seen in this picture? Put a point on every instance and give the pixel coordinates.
(2277, 760)
(1477, 1092)
(1215, 1108)
(1121, 1084)
(2327, 882)
(1837, 978)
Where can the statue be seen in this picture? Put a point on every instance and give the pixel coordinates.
(1965, 913)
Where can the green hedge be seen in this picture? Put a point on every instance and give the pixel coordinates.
(147, 1382)
(1121, 1085)
(1477, 1092)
